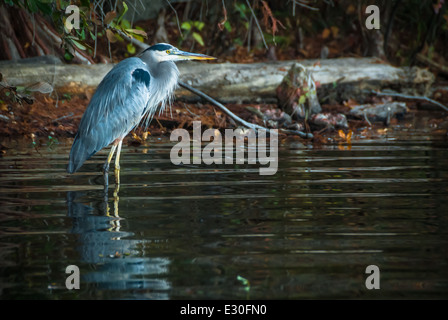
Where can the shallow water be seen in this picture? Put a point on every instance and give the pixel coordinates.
(225, 232)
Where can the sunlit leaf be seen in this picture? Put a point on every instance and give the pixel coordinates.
(302, 99)
(198, 38)
(186, 25)
(137, 32)
(334, 31)
(79, 45)
(125, 9)
(131, 48)
(326, 33)
(199, 25)
(243, 280)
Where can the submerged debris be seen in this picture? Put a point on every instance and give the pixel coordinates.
(329, 120)
(379, 112)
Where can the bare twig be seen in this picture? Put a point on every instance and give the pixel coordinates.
(256, 22)
(177, 18)
(404, 96)
(300, 3)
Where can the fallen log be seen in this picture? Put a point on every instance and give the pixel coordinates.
(337, 79)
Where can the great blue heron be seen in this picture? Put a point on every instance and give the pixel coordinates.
(132, 91)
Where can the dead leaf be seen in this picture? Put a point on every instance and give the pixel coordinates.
(137, 32)
(109, 17)
(326, 33)
(334, 31)
(42, 87)
(111, 36)
(351, 9)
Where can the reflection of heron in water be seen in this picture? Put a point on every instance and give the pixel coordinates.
(119, 265)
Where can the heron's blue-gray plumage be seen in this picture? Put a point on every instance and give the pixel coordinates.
(129, 94)
(126, 95)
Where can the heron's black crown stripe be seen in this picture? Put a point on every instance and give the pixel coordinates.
(160, 47)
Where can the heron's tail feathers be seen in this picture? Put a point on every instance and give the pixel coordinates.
(78, 155)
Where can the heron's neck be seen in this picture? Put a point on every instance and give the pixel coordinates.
(164, 77)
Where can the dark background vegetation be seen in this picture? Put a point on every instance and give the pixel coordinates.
(412, 32)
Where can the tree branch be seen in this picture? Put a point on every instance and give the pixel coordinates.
(404, 96)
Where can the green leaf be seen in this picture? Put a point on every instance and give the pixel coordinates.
(241, 8)
(125, 9)
(68, 56)
(131, 48)
(199, 25)
(45, 8)
(125, 24)
(198, 38)
(243, 280)
(79, 45)
(81, 34)
(32, 5)
(186, 25)
(228, 26)
(302, 99)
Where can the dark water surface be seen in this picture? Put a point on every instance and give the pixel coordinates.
(225, 232)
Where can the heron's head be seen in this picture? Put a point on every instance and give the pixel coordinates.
(165, 52)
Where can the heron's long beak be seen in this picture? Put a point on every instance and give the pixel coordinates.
(183, 55)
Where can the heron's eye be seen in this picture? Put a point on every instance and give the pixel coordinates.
(168, 51)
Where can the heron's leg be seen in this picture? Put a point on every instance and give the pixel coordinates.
(117, 164)
(109, 159)
(106, 167)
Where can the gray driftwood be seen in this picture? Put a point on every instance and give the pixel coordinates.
(339, 79)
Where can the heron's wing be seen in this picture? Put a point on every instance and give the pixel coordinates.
(126, 84)
(115, 109)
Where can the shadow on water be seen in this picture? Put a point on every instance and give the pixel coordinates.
(225, 232)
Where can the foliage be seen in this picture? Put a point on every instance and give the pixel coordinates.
(302, 26)
(93, 23)
(194, 28)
